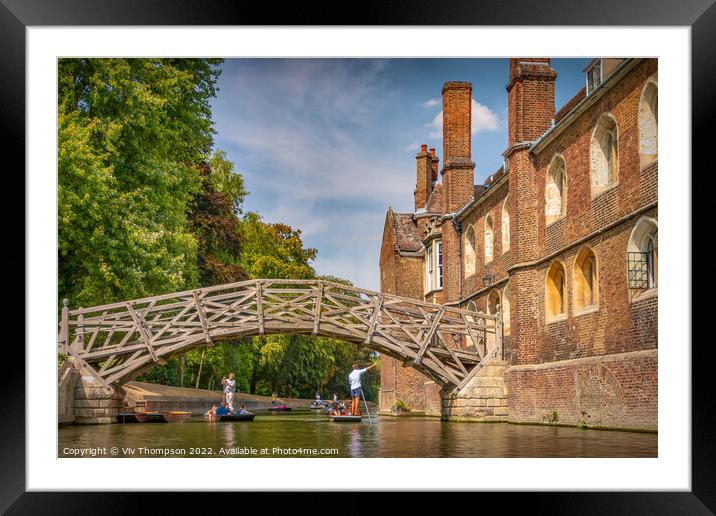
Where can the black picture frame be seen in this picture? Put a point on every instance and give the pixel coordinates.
(699, 15)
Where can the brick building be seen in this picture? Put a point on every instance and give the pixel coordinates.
(562, 240)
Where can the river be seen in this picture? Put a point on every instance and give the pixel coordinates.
(304, 433)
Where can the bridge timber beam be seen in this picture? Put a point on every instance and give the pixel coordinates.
(119, 341)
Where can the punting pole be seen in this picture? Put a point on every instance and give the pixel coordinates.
(366, 406)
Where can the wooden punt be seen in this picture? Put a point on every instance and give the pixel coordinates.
(154, 417)
(177, 416)
(237, 417)
(346, 419)
(127, 417)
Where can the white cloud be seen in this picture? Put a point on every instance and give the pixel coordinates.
(300, 142)
(483, 119)
(414, 146)
(431, 103)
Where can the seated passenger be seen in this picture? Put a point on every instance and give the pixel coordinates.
(243, 410)
(223, 409)
(211, 413)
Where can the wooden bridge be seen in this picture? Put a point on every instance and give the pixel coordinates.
(119, 341)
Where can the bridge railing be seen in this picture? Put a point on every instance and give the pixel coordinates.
(118, 340)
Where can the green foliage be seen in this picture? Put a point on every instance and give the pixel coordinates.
(131, 133)
(274, 250)
(215, 225)
(226, 181)
(61, 358)
(145, 208)
(551, 418)
(400, 406)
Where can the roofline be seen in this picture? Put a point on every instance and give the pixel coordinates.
(469, 207)
(587, 102)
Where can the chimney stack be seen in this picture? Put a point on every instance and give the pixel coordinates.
(424, 177)
(530, 99)
(458, 168)
(436, 160)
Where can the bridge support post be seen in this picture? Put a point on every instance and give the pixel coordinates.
(93, 402)
(482, 400)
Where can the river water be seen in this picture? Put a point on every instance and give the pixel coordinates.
(304, 433)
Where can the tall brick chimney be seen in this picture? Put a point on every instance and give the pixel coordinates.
(458, 168)
(530, 99)
(530, 108)
(436, 160)
(424, 177)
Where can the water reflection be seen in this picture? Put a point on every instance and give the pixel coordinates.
(385, 437)
(354, 444)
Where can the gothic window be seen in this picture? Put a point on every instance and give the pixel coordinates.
(429, 268)
(434, 266)
(489, 240)
(586, 288)
(506, 310)
(469, 252)
(493, 307)
(642, 256)
(604, 155)
(439, 264)
(473, 308)
(555, 199)
(505, 226)
(648, 124)
(555, 292)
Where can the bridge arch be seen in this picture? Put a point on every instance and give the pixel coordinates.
(117, 342)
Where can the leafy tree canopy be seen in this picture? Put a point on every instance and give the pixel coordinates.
(131, 133)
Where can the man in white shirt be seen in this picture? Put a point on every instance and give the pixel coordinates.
(354, 380)
(229, 387)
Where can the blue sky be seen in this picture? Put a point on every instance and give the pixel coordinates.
(326, 145)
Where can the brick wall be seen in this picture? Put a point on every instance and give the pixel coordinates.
(458, 168)
(609, 348)
(530, 98)
(402, 276)
(617, 391)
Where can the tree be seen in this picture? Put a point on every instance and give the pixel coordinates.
(214, 223)
(274, 250)
(131, 133)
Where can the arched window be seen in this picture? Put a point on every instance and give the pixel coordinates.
(506, 310)
(505, 226)
(555, 292)
(489, 240)
(555, 198)
(469, 252)
(643, 256)
(648, 123)
(586, 285)
(473, 308)
(493, 306)
(604, 154)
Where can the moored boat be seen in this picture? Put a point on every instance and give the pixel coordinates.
(127, 417)
(177, 416)
(280, 408)
(346, 419)
(154, 417)
(237, 417)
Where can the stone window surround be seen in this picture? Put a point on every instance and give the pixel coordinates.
(557, 157)
(505, 243)
(651, 81)
(595, 146)
(488, 218)
(641, 230)
(565, 290)
(594, 307)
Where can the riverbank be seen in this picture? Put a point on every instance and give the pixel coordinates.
(151, 396)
